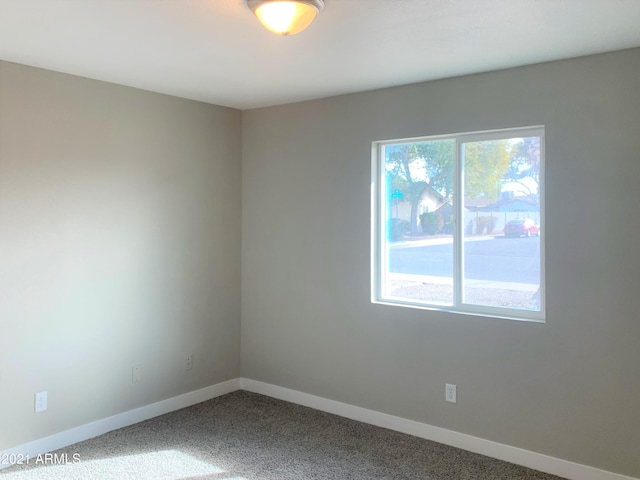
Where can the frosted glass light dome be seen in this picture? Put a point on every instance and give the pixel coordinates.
(286, 17)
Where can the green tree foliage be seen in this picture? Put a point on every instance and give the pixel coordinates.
(414, 168)
(485, 166)
(431, 222)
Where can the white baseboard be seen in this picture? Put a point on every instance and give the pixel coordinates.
(99, 427)
(519, 456)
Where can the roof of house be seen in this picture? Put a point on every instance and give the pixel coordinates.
(482, 204)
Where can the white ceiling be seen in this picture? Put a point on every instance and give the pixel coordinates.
(216, 51)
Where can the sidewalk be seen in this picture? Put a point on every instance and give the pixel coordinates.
(431, 280)
(438, 240)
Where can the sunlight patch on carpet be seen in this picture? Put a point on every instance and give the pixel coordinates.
(162, 465)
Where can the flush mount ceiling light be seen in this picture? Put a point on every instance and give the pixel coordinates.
(286, 17)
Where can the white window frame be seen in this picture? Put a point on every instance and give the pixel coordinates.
(379, 234)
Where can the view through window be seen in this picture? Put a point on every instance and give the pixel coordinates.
(458, 223)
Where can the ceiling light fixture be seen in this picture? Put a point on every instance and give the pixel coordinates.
(286, 17)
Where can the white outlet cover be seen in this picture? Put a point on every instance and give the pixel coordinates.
(136, 374)
(40, 402)
(451, 393)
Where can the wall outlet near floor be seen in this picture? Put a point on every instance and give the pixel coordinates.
(188, 361)
(136, 374)
(450, 393)
(40, 402)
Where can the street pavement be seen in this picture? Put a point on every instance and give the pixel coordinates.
(486, 259)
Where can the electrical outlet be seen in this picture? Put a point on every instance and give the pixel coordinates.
(451, 393)
(136, 374)
(188, 362)
(40, 402)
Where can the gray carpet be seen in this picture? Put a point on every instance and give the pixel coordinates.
(245, 436)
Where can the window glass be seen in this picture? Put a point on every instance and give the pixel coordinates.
(458, 223)
(501, 231)
(419, 211)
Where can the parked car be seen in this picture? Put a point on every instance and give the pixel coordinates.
(521, 226)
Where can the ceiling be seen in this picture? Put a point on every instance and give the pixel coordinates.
(216, 51)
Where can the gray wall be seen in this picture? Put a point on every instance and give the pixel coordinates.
(569, 388)
(119, 245)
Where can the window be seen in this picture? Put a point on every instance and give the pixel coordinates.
(458, 223)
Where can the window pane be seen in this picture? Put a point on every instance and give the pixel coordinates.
(501, 229)
(417, 264)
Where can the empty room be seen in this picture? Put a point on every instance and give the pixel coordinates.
(319, 239)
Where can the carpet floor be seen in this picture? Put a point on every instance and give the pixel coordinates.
(246, 436)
